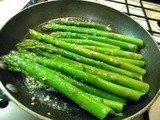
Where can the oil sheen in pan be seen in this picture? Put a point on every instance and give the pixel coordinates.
(51, 98)
(48, 96)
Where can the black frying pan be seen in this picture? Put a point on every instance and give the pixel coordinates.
(31, 17)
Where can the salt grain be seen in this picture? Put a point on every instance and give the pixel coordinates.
(2, 65)
(49, 113)
(47, 98)
(33, 98)
(32, 103)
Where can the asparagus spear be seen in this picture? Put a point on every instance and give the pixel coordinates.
(36, 45)
(140, 63)
(88, 42)
(109, 76)
(47, 75)
(113, 52)
(87, 53)
(116, 106)
(85, 87)
(52, 27)
(88, 24)
(123, 45)
(92, 90)
(87, 77)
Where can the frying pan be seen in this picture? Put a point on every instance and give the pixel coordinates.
(17, 27)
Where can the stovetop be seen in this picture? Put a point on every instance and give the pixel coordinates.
(145, 12)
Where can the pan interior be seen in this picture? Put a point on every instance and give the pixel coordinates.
(58, 106)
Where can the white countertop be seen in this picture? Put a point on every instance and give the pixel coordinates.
(9, 8)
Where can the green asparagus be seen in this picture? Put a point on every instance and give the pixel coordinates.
(121, 44)
(113, 52)
(109, 76)
(85, 87)
(116, 106)
(100, 70)
(30, 68)
(87, 77)
(140, 63)
(91, 89)
(52, 27)
(87, 24)
(88, 42)
(87, 53)
(36, 45)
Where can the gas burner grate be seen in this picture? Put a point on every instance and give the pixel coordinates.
(145, 13)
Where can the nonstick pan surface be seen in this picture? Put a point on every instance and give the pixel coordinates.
(17, 27)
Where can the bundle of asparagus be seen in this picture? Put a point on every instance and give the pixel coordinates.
(93, 67)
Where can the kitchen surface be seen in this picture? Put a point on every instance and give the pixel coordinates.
(145, 12)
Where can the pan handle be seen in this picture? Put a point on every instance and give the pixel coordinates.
(31, 2)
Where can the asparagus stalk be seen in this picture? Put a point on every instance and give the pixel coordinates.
(92, 90)
(47, 75)
(121, 44)
(88, 42)
(116, 106)
(84, 87)
(87, 53)
(87, 77)
(87, 24)
(109, 76)
(52, 27)
(36, 45)
(113, 52)
(140, 63)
